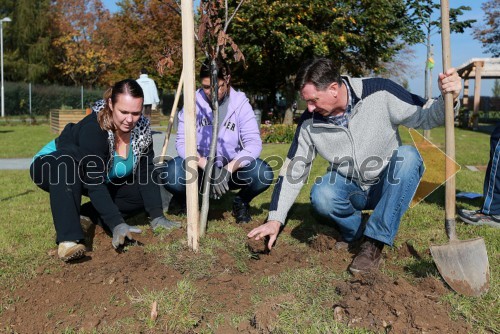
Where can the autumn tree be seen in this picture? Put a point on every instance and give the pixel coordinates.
(139, 34)
(276, 36)
(489, 34)
(80, 57)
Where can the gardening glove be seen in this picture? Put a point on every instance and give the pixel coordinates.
(121, 231)
(220, 181)
(164, 222)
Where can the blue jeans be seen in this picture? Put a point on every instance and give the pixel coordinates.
(253, 179)
(491, 205)
(340, 200)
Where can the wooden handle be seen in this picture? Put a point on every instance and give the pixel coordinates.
(172, 117)
(449, 127)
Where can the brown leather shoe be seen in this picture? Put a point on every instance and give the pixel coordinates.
(368, 258)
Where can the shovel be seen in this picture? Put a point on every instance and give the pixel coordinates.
(462, 264)
(171, 121)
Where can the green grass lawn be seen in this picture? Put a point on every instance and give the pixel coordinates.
(23, 141)
(27, 231)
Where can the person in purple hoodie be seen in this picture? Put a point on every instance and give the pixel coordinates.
(237, 163)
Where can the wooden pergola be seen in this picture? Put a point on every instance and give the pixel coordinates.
(477, 69)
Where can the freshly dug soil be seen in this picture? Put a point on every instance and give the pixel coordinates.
(95, 292)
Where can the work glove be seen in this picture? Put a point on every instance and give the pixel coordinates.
(164, 222)
(220, 181)
(121, 231)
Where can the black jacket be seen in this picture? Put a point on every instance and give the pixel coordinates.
(92, 148)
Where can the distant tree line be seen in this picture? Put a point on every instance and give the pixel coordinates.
(79, 42)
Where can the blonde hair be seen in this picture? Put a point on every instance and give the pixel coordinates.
(127, 86)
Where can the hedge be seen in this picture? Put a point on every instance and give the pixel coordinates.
(277, 133)
(45, 97)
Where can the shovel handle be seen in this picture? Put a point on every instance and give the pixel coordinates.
(171, 120)
(450, 224)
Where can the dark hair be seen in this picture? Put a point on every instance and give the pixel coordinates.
(125, 87)
(321, 72)
(222, 67)
(144, 71)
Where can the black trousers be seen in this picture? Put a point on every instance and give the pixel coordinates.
(59, 175)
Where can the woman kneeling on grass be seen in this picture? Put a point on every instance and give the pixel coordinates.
(107, 156)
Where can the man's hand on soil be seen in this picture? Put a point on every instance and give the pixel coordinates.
(271, 229)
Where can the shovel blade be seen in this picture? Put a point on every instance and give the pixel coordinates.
(464, 265)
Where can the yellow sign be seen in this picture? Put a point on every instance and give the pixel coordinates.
(434, 162)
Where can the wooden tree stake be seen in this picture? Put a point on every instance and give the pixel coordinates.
(188, 61)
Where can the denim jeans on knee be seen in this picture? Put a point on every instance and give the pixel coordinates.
(341, 201)
(252, 179)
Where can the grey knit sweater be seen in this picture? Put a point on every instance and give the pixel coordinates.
(362, 150)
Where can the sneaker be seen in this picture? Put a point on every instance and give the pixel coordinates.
(69, 251)
(241, 211)
(476, 217)
(368, 258)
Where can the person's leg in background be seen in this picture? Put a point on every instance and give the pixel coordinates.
(491, 204)
(489, 214)
(147, 111)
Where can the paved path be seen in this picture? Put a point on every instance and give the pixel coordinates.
(158, 140)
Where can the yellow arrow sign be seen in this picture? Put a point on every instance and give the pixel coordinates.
(434, 162)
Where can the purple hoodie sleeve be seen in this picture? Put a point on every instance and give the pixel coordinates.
(249, 134)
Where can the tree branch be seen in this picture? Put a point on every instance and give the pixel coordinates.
(232, 16)
(227, 12)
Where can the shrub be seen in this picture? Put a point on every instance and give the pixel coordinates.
(277, 133)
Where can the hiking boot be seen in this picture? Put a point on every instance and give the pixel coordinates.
(241, 211)
(69, 251)
(476, 217)
(368, 258)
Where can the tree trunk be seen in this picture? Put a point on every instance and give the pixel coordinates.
(288, 119)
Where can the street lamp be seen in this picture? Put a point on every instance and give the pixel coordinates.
(5, 19)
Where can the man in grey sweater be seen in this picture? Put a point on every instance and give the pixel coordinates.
(353, 124)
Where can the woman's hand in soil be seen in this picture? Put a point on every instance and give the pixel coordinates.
(121, 231)
(271, 229)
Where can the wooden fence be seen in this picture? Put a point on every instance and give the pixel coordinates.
(60, 117)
